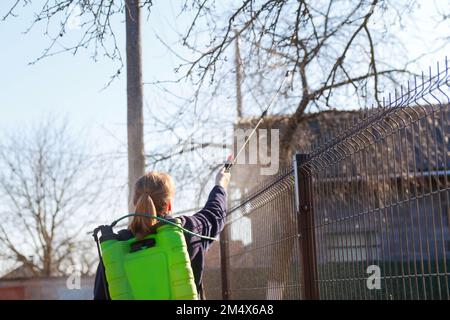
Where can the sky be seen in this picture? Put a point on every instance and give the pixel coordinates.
(73, 85)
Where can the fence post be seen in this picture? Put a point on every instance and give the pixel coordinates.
(305, 214)
(223, 262)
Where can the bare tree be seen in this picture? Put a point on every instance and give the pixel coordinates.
(332, 48)
(98, 33)
(49, 186)
(238, 63)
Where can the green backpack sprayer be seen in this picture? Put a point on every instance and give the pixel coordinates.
(154, 268)
(157, 267)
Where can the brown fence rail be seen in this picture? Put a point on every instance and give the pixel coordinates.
(365, 215)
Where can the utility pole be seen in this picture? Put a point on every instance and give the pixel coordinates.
(135, 118)
(237, 61)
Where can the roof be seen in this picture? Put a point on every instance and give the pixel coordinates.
(397, 140)
(22, 272)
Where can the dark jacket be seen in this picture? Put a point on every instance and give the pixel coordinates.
(208, 222)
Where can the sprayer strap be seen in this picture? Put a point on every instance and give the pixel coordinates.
(164, 221)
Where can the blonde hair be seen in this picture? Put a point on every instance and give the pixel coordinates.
(152, 195)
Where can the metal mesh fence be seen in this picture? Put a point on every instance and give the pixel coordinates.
(364, 215)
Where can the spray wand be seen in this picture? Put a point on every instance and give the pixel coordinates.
(232, 159)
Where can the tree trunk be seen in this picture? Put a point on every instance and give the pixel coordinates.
(135, 119)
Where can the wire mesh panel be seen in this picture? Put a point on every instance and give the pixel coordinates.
(212, 283)
(262, 257)
(381, 200)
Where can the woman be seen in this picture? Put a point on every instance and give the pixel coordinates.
(153, 194)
